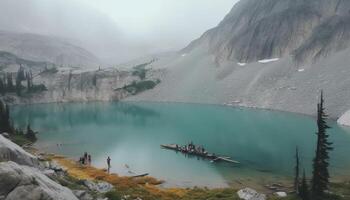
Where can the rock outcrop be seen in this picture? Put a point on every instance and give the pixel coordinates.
(250, 194)
(10, 151)
(27, 183)
(344, 119)
(100, 186)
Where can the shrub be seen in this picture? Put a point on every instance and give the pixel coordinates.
(113, 195)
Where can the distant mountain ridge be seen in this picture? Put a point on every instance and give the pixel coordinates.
(8, 59)
(46, 49)
(260, 29)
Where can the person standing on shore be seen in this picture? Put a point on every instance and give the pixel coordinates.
(109, 163)
(89, 159)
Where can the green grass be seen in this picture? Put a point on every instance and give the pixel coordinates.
(113, 195)
(137, 87)
(20, 139)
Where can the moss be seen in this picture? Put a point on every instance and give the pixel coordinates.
(20, 139)
(113, 195)
(137, 87)
(341, 189)
(141, 73)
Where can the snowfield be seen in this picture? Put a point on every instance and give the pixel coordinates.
(264, 61)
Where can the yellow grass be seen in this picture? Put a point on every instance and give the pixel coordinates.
(145, 187)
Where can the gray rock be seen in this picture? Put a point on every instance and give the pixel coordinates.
(101, 186)
(10, 151)
(28, 183)
(56, 167)
(344, 119)
(6, 135)
(250, 194)
(82, 195)
(281, 194)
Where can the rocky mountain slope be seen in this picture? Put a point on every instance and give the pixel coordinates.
(255, 30)
(45, 48)
(268, 54)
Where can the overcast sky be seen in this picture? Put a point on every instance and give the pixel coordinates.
(141, 26)
(182, 20)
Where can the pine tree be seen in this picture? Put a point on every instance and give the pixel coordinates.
(30, 134)
(5, 124)
(320, 176)
(296, 177)
(304, 189)
(2, 87)
(10, 87)
(18, 86)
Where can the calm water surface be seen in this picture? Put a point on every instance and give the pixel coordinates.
(130, 133)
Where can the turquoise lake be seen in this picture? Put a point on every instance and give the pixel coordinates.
(131, 134)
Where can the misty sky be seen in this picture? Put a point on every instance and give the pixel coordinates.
(116, 30)
(167, 20)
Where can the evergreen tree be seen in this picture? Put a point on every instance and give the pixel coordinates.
(21, 74)
(296, 177)
(304, 189)
(10, 87)
(2, 87)
(5, 124)
(320, 176)
(28, 83)
(30, 134)
(18, 86)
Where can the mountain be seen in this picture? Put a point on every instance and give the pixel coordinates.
(46, 49)
(255, 30)
(8, 60)
(78, 23)
(269, 54)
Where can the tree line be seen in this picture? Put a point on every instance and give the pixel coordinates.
(319, 184)
(7, 126)
(8, 85)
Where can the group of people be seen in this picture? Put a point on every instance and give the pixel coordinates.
(193, 148)
(85, 159)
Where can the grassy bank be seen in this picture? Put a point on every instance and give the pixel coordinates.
(146, 188)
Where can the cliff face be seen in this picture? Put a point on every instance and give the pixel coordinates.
(77, 86)
(260, 29)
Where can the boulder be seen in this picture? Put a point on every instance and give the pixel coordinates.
(250, 194)
(10, 151)
(281, 194)
(6, 135)
(28, 183)
(56, 167)
(344, 119)
(101, 186)
(82, 195)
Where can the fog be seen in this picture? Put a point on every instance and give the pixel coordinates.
(116, 30)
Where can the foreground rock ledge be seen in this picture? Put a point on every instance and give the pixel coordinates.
(24, 182)
(10, 151)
